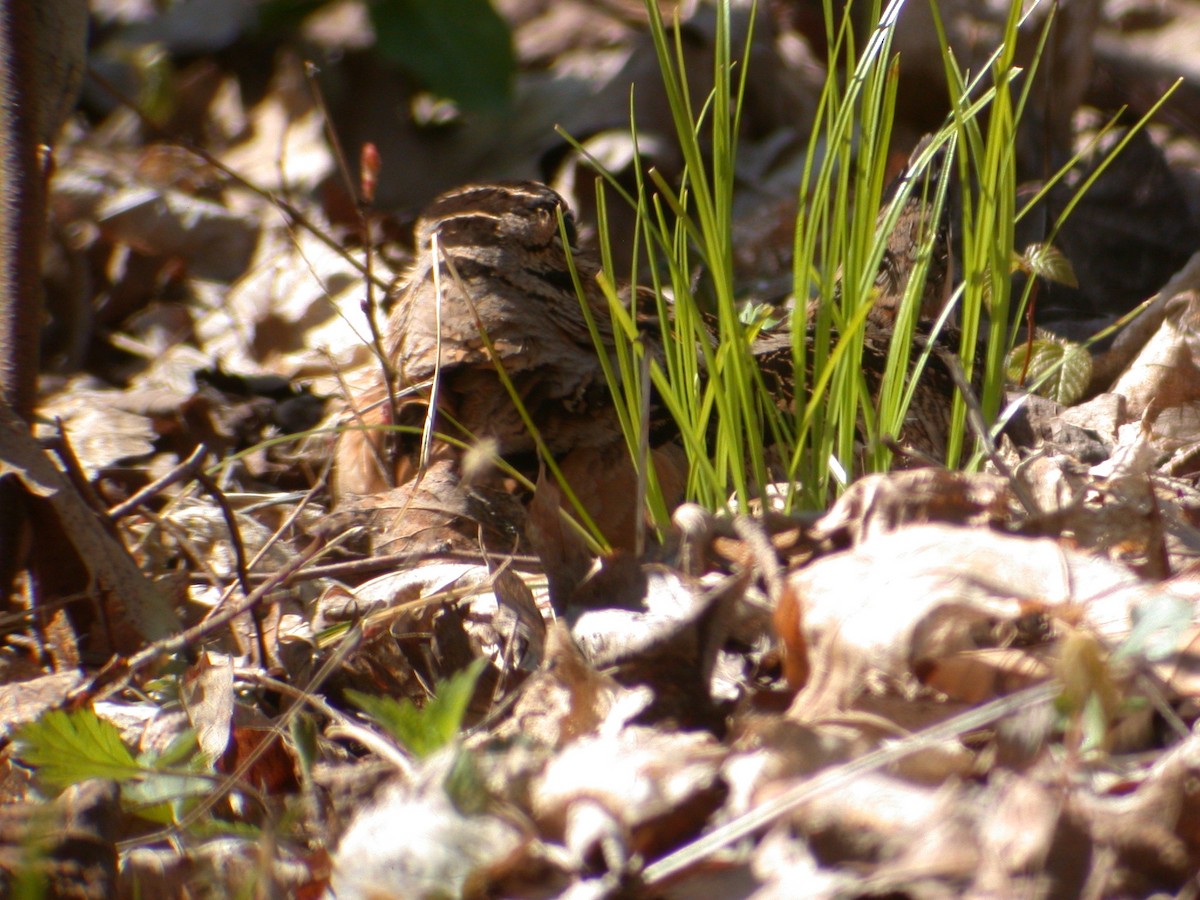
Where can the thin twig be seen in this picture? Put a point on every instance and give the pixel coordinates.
(202, 567)
(185, 470)
(979, 428)
(372, 740)
(292, 515)
(368, 305)
(231, 524)
(293, 214)
(392, 561)
(114, 676)
(774, 809)
(236, 778)
(65, 451)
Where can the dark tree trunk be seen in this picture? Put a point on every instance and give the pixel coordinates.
(42, 57)
(22, 207)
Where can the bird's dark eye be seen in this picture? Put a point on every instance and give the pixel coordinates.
(548, 219)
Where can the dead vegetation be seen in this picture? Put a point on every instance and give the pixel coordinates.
(215, 680)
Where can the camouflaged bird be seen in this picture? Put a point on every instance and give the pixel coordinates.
(501, 270)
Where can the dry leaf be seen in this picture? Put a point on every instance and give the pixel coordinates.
(207, 693)
(567, 698)
(906, 602)
(879, 504)
(633, 791)
(417, 841)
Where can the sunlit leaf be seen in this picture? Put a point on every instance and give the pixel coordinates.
(1056, 368)
(1158, 626)
(163, 797)
(68, 747)
(431, 727)
(303, 731)
(1047, 261)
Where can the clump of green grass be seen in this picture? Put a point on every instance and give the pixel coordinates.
(736, 438)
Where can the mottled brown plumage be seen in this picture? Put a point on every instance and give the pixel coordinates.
(927, 423)
(503, 271)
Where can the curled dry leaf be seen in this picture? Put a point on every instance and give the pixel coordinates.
(895, 823)
(484, 611)
(924, 600)
(772, 752)
(297, 312)
(215, 242)
(1152, 829)
(1129, 341)
(1133, 838)
(436, 514)
(1127, 517)
(1162, 385)
(879, 504)
(515, 612)
(25, 699)
(285, 147)
(207, 693)
(1084, 433)
(386, 591)
(564, 554)
(659, 629)
(1044, 832)
(101, 429)
(634, 791)
(567, 698)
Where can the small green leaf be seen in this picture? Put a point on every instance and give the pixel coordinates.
(1047, 261)
(67, 747)
(163, 798)
(424, 731)
(460, 49)
(1057, 369)
(303, 731)
(465, 785)
(179, 751)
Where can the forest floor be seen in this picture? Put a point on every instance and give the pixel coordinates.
(943, 684)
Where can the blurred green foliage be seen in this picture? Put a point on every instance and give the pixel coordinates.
(460, 50)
